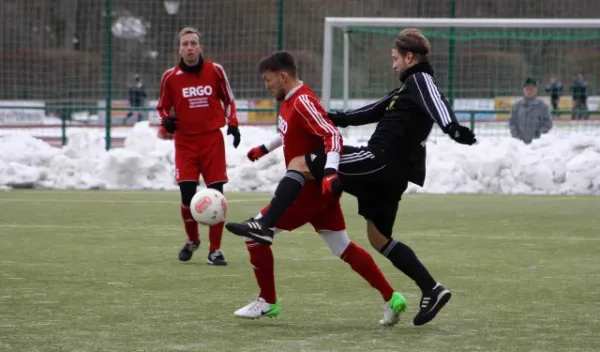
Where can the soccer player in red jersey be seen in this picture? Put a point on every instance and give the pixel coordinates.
(303, 127)
(199, 93)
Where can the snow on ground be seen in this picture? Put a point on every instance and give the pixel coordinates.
(554, 164)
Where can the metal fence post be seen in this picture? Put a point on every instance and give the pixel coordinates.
(451, 55)
(279, 46)
(108, 74)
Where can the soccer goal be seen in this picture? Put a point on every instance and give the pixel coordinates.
(480, 64)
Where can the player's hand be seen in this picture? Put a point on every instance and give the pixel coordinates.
(163, 134)
(331, 183)
(337, 118)
(257, 153)
(235, 131)
(461, 134)
(170, 124)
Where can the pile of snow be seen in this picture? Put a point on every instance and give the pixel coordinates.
(550, 165)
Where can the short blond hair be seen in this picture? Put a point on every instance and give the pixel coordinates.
(188, 30)
(412, 40)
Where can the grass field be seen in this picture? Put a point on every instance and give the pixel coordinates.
(98, 271)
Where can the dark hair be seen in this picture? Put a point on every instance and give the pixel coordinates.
(412, 40)
(278, 61)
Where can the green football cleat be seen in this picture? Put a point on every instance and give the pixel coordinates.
(392, 310)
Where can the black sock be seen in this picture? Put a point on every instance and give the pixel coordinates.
(405, 259)
(287, 191)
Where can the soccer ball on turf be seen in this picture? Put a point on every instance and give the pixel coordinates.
(209, 207)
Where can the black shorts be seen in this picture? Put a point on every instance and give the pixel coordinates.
(377, 185)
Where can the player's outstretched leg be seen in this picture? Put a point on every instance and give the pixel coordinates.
(188, 189)
(434, 296)
(363, 264)
(261, 230)
(266, 304)
(215, 234)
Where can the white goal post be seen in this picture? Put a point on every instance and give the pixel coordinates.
(346, 22)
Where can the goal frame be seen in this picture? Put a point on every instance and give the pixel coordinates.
(345, 22)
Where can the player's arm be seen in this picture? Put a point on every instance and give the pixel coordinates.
(362, 116)
(264, 149)
(512, 121)
(316, 122)
(546, 119)
(425, 93)
(165, 103)
(226, 96)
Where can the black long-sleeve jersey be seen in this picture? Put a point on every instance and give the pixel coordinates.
(405, 118)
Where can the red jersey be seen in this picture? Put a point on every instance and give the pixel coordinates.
(304, 127)
(203, 101)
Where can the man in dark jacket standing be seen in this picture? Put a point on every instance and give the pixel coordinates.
(580, 94)
(555, 88)
(137, 98)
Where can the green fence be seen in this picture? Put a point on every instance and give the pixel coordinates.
(78, 57)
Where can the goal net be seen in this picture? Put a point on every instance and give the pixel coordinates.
(480, 65)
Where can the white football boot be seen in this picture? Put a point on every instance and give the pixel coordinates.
(258, 308)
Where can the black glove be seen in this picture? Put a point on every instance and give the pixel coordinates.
(331, 183)
(235, 131)
(461, 134)
(170, 124)
(337, 118)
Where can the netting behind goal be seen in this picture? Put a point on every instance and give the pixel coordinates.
(480, 70)
(65, 59)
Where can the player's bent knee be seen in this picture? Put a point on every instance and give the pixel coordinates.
(299, 164)
(376, 238)
(337, 241)
(187, 189)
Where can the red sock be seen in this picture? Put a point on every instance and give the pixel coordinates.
(215, 233)
(362, 262)
(261, 258)
(191, 226)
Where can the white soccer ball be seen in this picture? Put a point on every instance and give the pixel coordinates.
(209, 207)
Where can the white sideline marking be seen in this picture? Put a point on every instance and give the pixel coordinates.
(78, 227)
(114, 201)
(554, 239)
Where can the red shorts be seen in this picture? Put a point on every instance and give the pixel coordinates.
(201, 154)
(322, 212)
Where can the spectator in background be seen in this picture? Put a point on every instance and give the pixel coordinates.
(530, 117)
(555, 88)
(580, 93)
(137, 98)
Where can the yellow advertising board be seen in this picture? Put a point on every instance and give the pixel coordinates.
(504, 103)
(118, 109)
(262, 117)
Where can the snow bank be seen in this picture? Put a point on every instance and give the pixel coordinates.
(550, 165)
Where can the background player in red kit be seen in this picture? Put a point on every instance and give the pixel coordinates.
(303, 127)
(199, 93)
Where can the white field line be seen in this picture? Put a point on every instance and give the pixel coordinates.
(116, 201)
(533, 239)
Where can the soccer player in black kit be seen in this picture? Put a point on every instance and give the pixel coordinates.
(378, 174)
